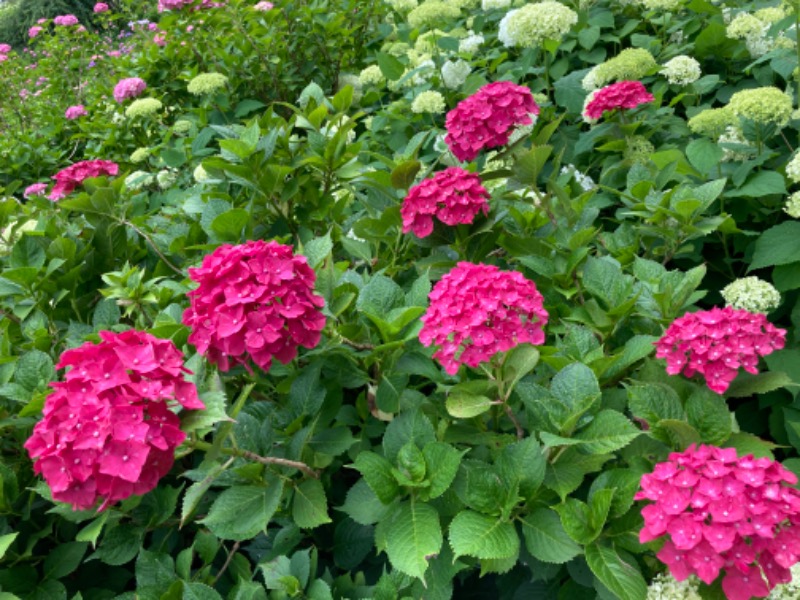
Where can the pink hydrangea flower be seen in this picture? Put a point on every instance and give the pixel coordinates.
(100, 7)
(66, 20)
(74, 175)
(716, 343)
(487, 118)
(453, 196)
(625, 94)
(725, 513)
(74, 112)
(264, 6)
(37, 189)
(255, 301)
(108, 431)
(477, 310)
(5, 48)
(128, 88)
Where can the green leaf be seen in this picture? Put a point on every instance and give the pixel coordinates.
(584, 522)
(34, 369)
(759, 185)
(240, 513)
(519, 361)
(27, 252)
(704, 155)
(379, 296)
(779, 245)
(525, 463)
(608, 432)
(442, 462)
(197, 490)
(746, 384)
(213, 413)
(318, 249)
(653, 402)
(403, 174)
(747, 443)
(6, 541)
(463, 404)
(362, 504)
(377, 472)
(92, 531)
(482, 536)
(411, 425)
(528, 166)
(310, 505)
(155, 570)
(391, 68)
(577, 391)
(708, 413)
(676, 434)
(120, 544)
(546, 539)
(413, 537)
(307, 392)
(622, 578)
(230, 224)
(199, 591)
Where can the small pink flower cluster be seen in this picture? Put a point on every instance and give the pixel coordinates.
(256, 301)
(74, 175)
(34, 31)
(36, 189)
(108, 431)
(4, 50)
(178, 4)
(716, 343)
(65, 20)
(75, 112)
(264, 6)
(128, 88)
(487, 118)
(724, 512)
(100, 7)
(477, 310)
(625, 94)
(453, 196)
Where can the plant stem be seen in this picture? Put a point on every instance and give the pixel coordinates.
(264, 460)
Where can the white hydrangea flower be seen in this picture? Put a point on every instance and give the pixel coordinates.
(590, 81)
(792, 206)
(372, 75)
(166, 178)
(584, 181)
(733, 135)
(403, 6)
(428, 102)
(665, 587)
(751, 293)
(523, 130)
(471, 43)
(492, 4)
(787, 591)
(793, 168)
(586, 101)
(200, 174)
(455, 73)
(531, 25)
(138, 180)
(681, 70)
(661, 5)
(140, 155)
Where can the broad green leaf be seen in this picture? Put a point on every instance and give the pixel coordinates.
(519, 361)
(403, 174)
(759, 185)
(482, 536)
(318, 249)
(155, 570)
(197, 490)
(546, 539)
(577, 391)
(442, 462)
(653, 402)
(622, 578)
(479, 486)
(584, 522)
(746, 385)
(229, 225)
(677, 434)
(199, 591)
(363, 506)
(120, 544)
(525, 462)
(704, 155)
(779, 245)
(609, 431)
(413, 537)
(307, 392)
(34, 369)
(411, 425)
(241, 512)
(213, 413)
(391, 68)
(310, 505)
(6, 541)
(747, 443)
(92, 531)
(465, 405)
(379, 296)
(708, 413)
(377, 472)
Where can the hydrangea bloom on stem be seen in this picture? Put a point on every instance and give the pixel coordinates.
(453, 196)
(129, 88)
(477, 310)
(74, 175)
(716, 342)
(75, 112)
(486, 119)
(36, 189)
(256, 301)
(108, 431)
(723, 512)
(65, 20)
(625, 94)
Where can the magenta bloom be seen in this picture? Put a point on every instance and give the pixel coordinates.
(453, 196)
(74, 175)
(255, 301)
(477, 311)
(107, 430)
(625, 94)
(37, 189)
(34, 31)
(74, 112)
(128, 88)
(487, 118)
(716, 343)
(100, 7)
(66, 20)
(723, 512)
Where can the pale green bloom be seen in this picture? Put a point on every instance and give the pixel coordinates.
(638, 149)
(428, 102)
(792, 206)
(166, 178)
(681, 70)
(200, 174)
(431, 12)
(751, 293)
(182, 127)
(630, 64)
(403, 6)
(771, 14)
(143, 107)
(427, 42)
(138, 180)
(492, 4)
(541, 99)
(140, 155)
(454, 74)
(463, 3)
(762, 105)
(471, 43)
(665, 587)
(372, 76)
(745, 25)
(661, 5)
(734, 135)
(531, 25)
(207, 83)
(793, 168)
(712, 122)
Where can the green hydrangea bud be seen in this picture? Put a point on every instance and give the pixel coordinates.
(751, 293)
(712, 122)
(143, 107)
(428, 102)
(763, 105)
(140, 155)
(207, 83)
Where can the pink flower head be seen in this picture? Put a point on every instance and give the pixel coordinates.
(128, 88)
(100, 7)
(66, 20)
(74, 112)
(160, 39)
(477, 310)
(255, 301)
(453, 196)
(725, 513)
(108, 430)
(487, 118)
(625, 94)
(37, 189)
(74, 175)
(716, 343)
(264, 6)
(5, 48)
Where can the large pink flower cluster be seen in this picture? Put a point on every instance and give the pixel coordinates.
(129, 88)
(625, 94)
(65, 20)
(74, 175)
(453, 196)
(724, 512)
(716, 343)
(75, 112)
(256, 301)
(477, 310)
(108, 431)
(487, 118)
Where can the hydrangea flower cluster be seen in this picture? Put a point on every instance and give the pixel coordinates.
(681, 70)
(75, 112)
(471, 43)
(716, 343)
(712, 122)
(477, 310)
(631, 63)
(665, 587)
(256, 301)
(372, 76)
(793, 168)
(453, 196)
(455, 73)
(722, 511)
(792, 205)
(108, 431)
(762, 105)
(752, 294)
(143, 107)
(625, 94)
(65, 20)
(100, 7)
(486, 119)
(36, 189)
(74, 175)
(429, 101)
(431, 12)
(207, 83)
(129, 88)
(533, 24)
